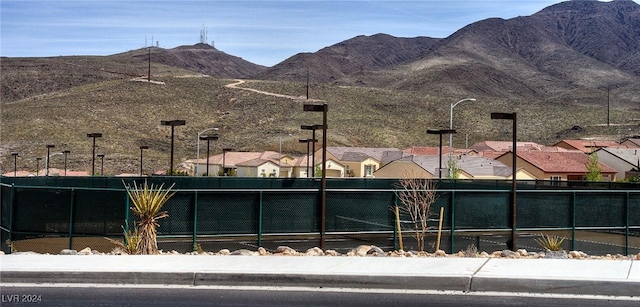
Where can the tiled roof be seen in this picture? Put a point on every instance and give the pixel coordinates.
(635, 141)
(482, 166)
(560, 162)
(504, 146)
(629, 155)
(376, 153)
(426, 151)
(588, 146)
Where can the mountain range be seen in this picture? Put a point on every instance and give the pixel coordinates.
(568, 59)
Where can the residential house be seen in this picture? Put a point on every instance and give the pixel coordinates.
(586, 146)
(555, 165)
(469, 167)
(257, 168)
(622, 160)
(360, 161)
(504, 146)
(434, 151)
(225, 162)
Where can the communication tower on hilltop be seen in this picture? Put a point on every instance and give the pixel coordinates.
(203, 35)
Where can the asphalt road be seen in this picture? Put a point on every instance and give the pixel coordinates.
(100, 295)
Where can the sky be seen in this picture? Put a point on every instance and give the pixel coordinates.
(263, 32)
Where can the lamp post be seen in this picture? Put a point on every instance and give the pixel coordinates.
(308, 141)
(101, 156)
(513, 118)
(224, 154)
(453, 105)
(46, 162)
(198, 149)
(38, 166)
(65, 153)
(15, 164)
(143, 147)
(93, 151)
(324, 108)
(173, 124)
(313, 128)
(280, 152)
(208, 138)
(440, 132)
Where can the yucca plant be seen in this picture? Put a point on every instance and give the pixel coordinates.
(131, 240)
(147, 202)
(551, 243)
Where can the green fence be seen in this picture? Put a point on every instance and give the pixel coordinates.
(49, 214)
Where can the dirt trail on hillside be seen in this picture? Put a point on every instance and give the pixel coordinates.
(238, 82)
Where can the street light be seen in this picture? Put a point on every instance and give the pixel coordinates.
(198, 148)
(440, 132)
(15, 164)
(101, 156)
(47, 160)
(511, 116)
(224, 153)
(453, 105)
(93, 151)
(207, 138)
(65, 153)
(308, 141)
(143, 147)
(313, 128)
(38, 166)
(173, 124)
(324, 108)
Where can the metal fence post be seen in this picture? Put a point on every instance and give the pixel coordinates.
(573, 221)
(195, 219)
(73, 193)
(11, 204)
(260, 221)
(626, 231)
(453, 223)
(395, 223)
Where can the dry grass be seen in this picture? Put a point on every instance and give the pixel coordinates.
(129, 114)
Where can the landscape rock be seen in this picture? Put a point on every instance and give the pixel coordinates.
(376, 251)
(556, 255)
(359, 251)
(85, 251)
(68, 252)
(440, 253)
(331, 252)
(243, 252)
(285, 250)
(224, 252)
(262, 251)
(315, 251)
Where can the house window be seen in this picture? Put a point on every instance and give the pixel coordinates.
(555, 180)
(369, 169)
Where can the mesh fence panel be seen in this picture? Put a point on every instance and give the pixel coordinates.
(544, 210)
(481, 210)
(360, 211)
(41, 210)
(600, 210)
(227, 213)
(290, 212)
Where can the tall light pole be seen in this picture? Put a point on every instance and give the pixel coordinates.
(308, 141)
(453, 105)
(15, 164)
(93, 151)
(143, 147)
(511, 116)
(46, 162)
(101, 156)
(208, 138)
(198, 148)
(313, 128)
(65, 153)
(173, 124)
(224, 154)
(324, 108)
(440, 132)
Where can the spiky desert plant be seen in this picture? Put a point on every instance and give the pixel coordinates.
(147, 202)
(551, 243)
(130, 242)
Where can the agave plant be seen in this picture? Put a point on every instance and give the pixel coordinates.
(551, 243)
(147, 202)
(131, 240)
